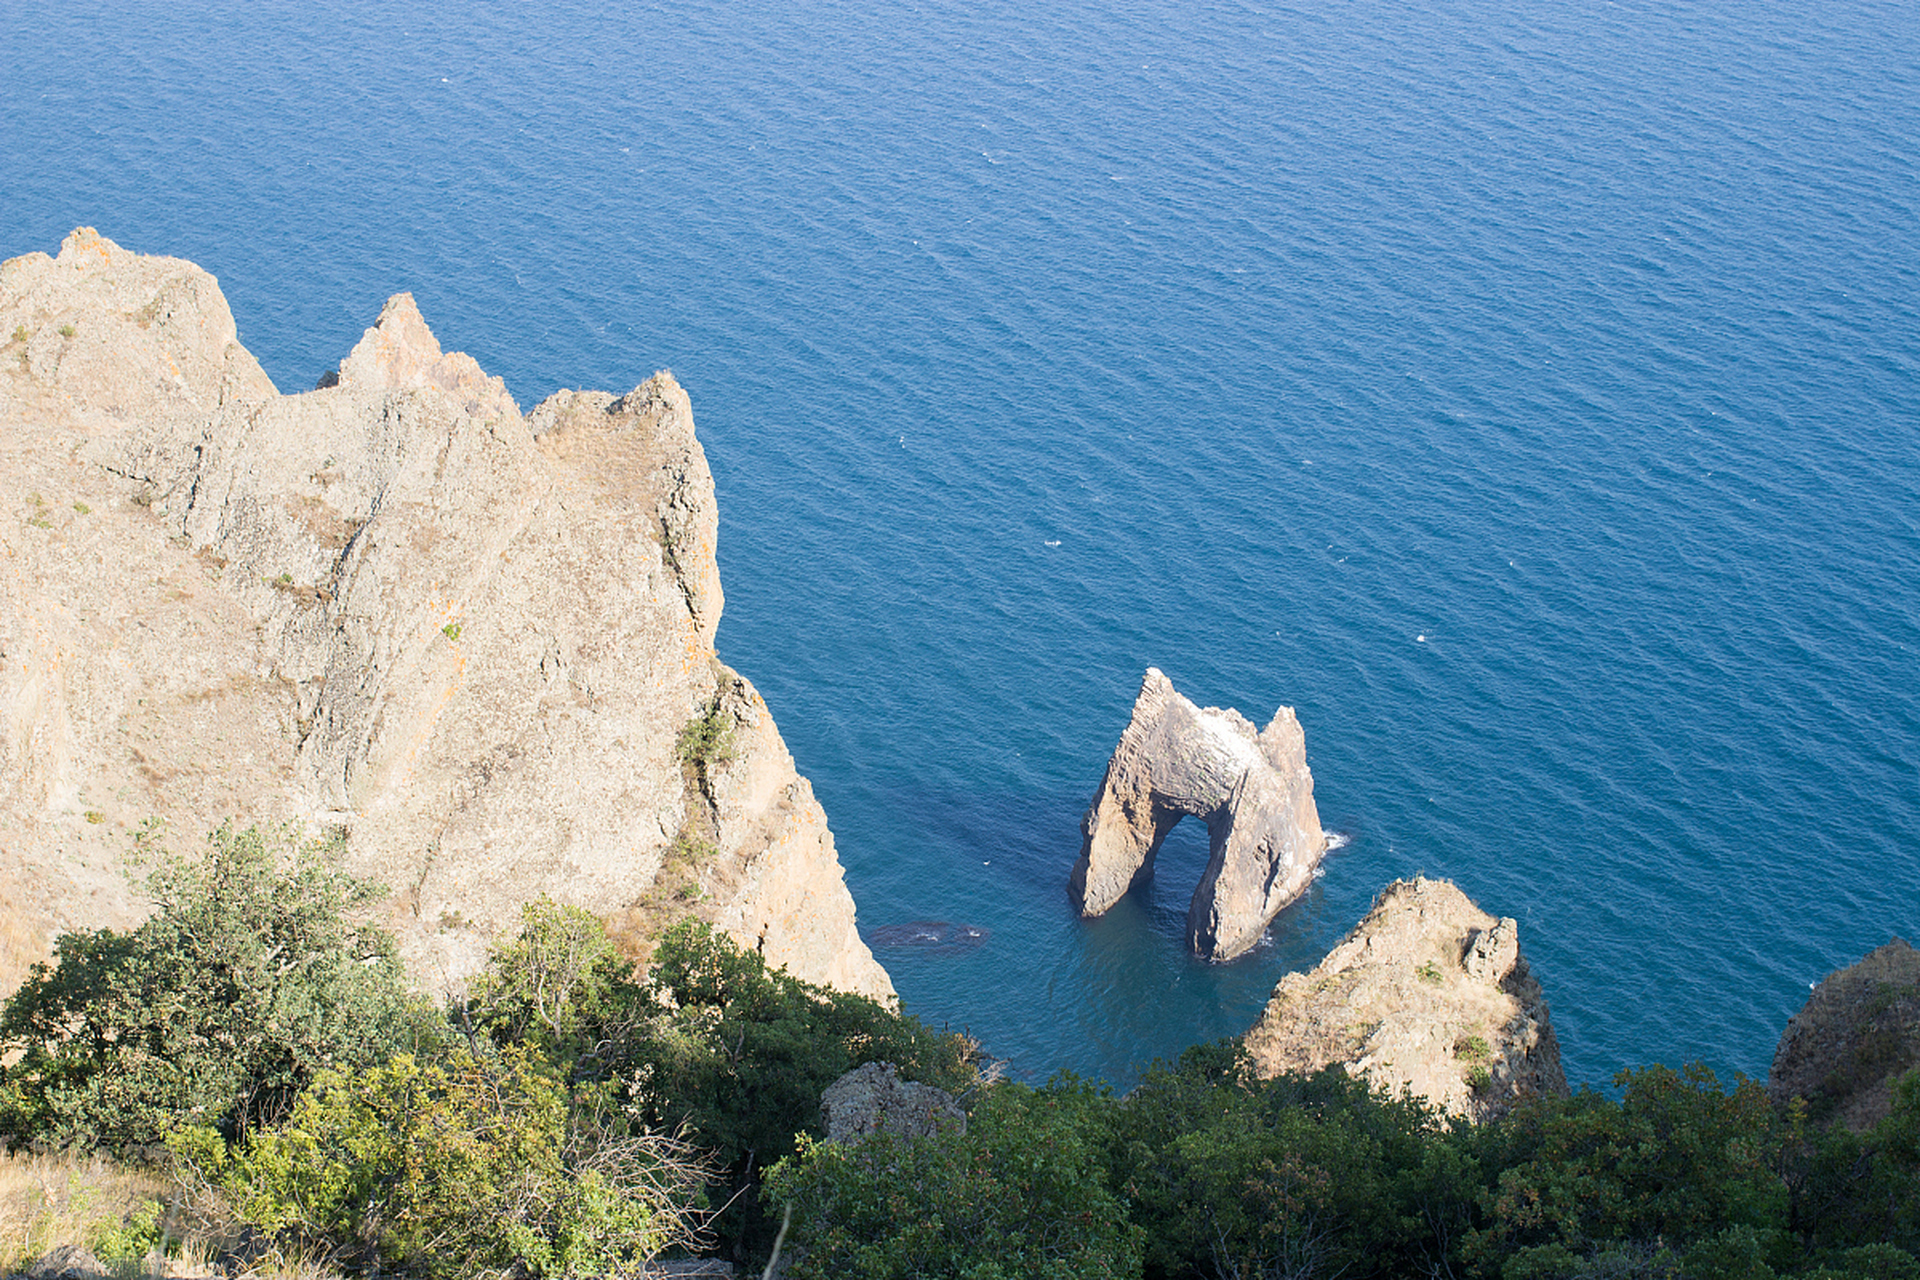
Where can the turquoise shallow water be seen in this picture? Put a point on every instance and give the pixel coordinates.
(1034, 346)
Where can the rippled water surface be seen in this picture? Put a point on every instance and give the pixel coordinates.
(1527, 393)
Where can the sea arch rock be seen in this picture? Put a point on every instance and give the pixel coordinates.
(1252, 790)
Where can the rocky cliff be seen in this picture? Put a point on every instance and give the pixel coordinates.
(477, 644)
(1428, 995)
(1857, 1034)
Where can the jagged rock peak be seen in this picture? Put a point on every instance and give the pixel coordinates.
(1428, 995)
(1252, 790)
(400, 353)
(1857, 1034)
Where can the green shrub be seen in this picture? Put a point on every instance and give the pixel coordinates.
(458, 1167)
(1676, 1161)
(739, 1054)
(249, 979)
(1019, 1195)
(1296, 1176)
(707, 739)
(558, 985)
(1851, 1191)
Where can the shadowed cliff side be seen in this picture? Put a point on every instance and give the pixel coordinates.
(1428, 994)
(1857, 1034)
(478, 644)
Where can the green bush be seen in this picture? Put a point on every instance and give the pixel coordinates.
(248, 980)
(458, 1167)
(739, 1054)
(1019, 1195)
(1303, 1176)
(707, 739)
(559, 985)
(1677, 1161)
(1849, 1191)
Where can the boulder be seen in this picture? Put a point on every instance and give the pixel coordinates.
(873, 1099)
(1251, 789)
(68, 1262)
(1429, 995)
(1856, 1035)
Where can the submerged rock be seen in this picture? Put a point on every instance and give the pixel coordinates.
(1857, 1034)
(1252, 790)
(1428, 995)
(936, 937)
(472, 643)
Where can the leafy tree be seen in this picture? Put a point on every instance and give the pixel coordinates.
(250, 977)
(1020, 1194)
(1678, 1162)
(739, 1054)
(457, 1167)
(560, 984)
(1237, 1177)
(1851, 1191)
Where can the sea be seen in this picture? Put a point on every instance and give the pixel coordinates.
(1526, 393)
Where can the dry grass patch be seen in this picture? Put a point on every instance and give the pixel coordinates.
(47, 1201)
(112, 1211)
(23, 938)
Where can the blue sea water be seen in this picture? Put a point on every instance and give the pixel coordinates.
(1527, 393)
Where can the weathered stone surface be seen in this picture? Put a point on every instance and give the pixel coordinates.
(1252, 790)
(391, 606)
(1428, 995)
(874, 1099)
(1857, 1034)
(68, 1262)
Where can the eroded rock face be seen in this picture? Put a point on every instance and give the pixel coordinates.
(393, 607)
(1252, 790)
(1428, 995)
(1856, 1035)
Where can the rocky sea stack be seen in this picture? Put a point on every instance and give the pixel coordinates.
(1429, 995)
(1251, 789)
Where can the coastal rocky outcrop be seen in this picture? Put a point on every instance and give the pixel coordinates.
(1857, 1034)
(1428, 995)
(1252, 790)
(474, 645)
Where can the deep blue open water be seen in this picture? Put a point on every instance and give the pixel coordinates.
(1529, 393)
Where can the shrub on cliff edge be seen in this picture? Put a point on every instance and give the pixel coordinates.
(250, 977)
(1021, 1194)
(739, 1055)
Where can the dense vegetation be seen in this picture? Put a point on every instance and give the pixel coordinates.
(572, 1118)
